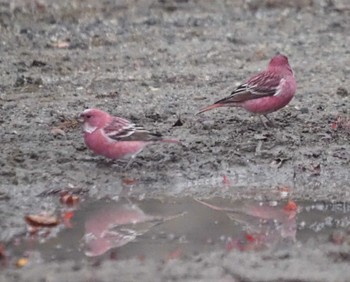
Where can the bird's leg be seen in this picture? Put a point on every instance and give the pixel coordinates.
(132, 158)
(263, 122)
(270, 121)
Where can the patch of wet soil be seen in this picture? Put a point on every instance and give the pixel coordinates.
(171, 230)
(153, 62)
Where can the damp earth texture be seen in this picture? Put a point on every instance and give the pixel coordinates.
(234, 202)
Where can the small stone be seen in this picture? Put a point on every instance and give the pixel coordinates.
(341, 91)
(304, 110)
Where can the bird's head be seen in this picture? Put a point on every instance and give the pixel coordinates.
(94, 119)
(280, 63)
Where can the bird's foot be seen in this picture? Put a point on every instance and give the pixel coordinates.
(123, 163)
(129, 162)
(267, 124)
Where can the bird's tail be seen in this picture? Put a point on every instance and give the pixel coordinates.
(210, 108)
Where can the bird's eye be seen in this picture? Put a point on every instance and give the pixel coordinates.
(88, 116)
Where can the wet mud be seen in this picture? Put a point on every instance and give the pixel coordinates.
(157, 63)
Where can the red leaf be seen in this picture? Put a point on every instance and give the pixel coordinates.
(250, 237)
(290, 206)
(129, 181)
(67, 216)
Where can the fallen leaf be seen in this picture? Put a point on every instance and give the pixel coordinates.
(129, 181)
(249, 237)
(41, 220)
(290, 206)
(22, 262)
(68, 215)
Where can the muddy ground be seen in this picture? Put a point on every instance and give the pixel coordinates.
(157, 62)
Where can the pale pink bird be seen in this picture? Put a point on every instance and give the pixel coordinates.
(264, 93)
(113, 226)
(115, 137)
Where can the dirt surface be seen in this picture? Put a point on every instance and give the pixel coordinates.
(157, 62)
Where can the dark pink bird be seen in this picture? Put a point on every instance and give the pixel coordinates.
(264, 93)
(115, 137)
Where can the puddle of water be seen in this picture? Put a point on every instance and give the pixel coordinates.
(173, 227)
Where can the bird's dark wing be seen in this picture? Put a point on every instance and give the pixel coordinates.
(261, 85)
(122, 130)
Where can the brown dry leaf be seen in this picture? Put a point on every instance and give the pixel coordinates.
(129, 181)
(22, 262)
(41, 220)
